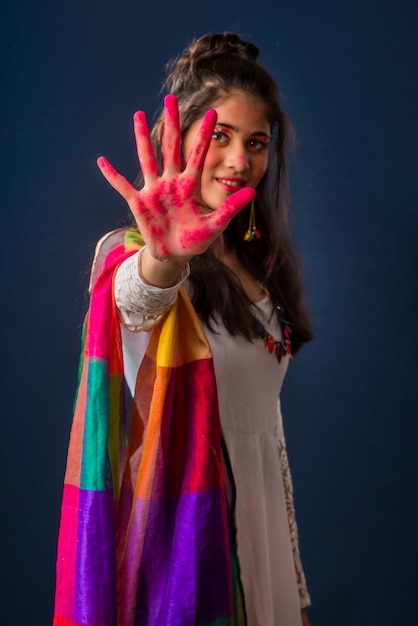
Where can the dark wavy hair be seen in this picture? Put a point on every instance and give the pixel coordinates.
(207, 72)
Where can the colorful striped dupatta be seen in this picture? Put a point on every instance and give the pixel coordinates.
(146, 535)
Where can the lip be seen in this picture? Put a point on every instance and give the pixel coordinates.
(231, 183)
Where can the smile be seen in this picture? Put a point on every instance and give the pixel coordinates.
(230, 182)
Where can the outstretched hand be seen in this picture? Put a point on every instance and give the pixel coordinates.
(169, 210)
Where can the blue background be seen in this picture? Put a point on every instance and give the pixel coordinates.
(73, 74)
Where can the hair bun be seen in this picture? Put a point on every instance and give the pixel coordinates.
(206, 55)
(222, 43)
(209, 58)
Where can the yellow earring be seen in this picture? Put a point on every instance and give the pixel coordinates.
(252, 232)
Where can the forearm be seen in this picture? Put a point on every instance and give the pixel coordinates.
(141, 306)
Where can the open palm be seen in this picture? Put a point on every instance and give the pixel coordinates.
(169, 210)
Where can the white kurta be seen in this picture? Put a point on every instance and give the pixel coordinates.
(249, 381)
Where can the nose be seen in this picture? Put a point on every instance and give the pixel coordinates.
(237, 157)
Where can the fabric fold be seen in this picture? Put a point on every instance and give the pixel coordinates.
(147, 531)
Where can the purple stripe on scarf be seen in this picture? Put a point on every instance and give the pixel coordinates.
(182, 582)
(96, 567)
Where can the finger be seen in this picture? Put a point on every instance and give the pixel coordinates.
(117, 181)
(231, 207)
(145, 150)
(201, 143)
(172, 137)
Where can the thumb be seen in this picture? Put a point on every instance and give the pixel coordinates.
(231, 207)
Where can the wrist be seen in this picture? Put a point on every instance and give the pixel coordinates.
(160, 272)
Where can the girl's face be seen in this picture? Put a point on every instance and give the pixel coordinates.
(238, 152)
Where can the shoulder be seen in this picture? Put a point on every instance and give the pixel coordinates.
(129, 238)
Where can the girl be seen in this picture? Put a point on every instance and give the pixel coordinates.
(189, 519)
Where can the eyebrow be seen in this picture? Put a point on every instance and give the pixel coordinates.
(236, 129)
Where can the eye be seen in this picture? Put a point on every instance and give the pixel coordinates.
(258, 145)
(220, 136)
